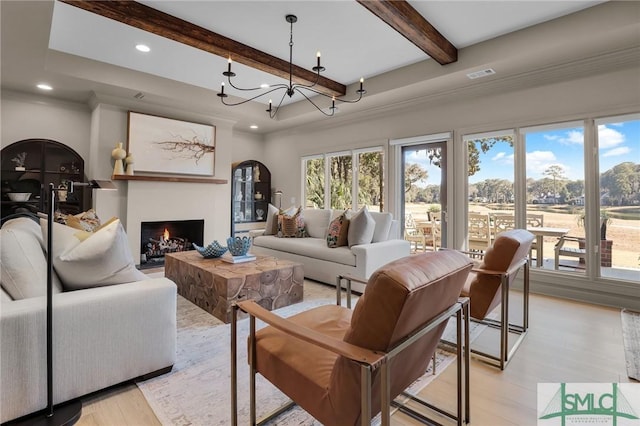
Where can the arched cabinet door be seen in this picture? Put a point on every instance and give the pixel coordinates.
(250, 196)
(29, 165)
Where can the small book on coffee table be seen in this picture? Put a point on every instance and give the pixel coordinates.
(227, 257)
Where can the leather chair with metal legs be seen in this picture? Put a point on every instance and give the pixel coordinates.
(344, 366)
(488, 286)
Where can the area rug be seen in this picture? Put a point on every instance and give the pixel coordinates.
(631, 339)
(197, 390)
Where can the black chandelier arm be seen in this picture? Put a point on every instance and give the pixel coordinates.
(307, 86)
(275, 86)
(344, 101)
(273, 112)
(253, 98)
(297, 89)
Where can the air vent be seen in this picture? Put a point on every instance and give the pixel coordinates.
(139, 95)
(483, 73)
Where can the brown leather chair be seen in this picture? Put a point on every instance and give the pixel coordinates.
(488, 286)
(344, 366)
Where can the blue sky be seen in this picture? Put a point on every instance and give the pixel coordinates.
(618, 142)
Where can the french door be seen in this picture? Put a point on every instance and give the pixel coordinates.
(423, 198)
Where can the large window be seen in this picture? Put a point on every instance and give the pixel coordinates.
(490, 177)
(619, 194)
(575, 186)
(555, 190)
(335, 180)
(340, 181)
(314, 182)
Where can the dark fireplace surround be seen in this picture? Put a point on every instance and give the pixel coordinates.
(167, 236)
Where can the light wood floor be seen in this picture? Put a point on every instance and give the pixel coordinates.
(567, 342)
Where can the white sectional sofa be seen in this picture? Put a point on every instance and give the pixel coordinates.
(324, 264)
(101, 336)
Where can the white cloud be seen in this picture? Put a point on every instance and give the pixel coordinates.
(621, 150)
(503, 159)
(539, 161)
(574, 137)
(608, 138)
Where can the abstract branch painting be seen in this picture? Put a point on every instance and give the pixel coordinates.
(165, 145)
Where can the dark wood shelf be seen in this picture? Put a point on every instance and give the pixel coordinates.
(169, 179)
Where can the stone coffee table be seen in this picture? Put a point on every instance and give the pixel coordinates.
(214, 284)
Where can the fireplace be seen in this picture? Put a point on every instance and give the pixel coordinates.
(159, 238)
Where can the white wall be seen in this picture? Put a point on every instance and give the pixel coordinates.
(247, 146)
(28, 116)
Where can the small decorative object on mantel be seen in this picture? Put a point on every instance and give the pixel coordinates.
(238, 246)
(118, 154)
(129, 161)
(19, 160)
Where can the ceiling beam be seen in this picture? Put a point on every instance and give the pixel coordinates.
(402, 17)
(154, 21)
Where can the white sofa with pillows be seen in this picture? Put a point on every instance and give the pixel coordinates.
(329, 243)
(111, 323)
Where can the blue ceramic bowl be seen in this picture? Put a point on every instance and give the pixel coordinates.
(211, 251)
(238, 246)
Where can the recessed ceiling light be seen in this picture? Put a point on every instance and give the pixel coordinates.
(44, 86)
(253, 126)
(143, 48)
(264, 86)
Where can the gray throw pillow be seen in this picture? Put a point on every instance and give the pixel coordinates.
(361, 228)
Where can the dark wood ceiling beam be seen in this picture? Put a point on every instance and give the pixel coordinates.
(154, 21)
(402, 17)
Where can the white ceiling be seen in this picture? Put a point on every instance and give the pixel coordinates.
(354, 43)
(81, 53)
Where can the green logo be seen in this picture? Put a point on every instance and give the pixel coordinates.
(591, 406)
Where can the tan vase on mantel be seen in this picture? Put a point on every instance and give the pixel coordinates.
(118, 154)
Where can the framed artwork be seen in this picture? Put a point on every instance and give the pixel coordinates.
(165, 145)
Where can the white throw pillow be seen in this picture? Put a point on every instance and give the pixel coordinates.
(383, 226)
(361, 228)
(23, 264)
(316, 221)
(4, 296)
(101, 259)
(271, 227)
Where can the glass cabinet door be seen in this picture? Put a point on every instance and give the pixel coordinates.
(251, 193)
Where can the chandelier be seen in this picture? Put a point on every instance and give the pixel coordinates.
(290, 89)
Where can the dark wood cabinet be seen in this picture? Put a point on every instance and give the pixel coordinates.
(28, 166)
(250, 196)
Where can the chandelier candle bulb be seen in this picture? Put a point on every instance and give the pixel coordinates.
(361, 81)
(318, 56)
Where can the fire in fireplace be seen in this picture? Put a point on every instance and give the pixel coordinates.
(159, 238)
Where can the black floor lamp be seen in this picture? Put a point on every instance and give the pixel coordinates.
(68, 413)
